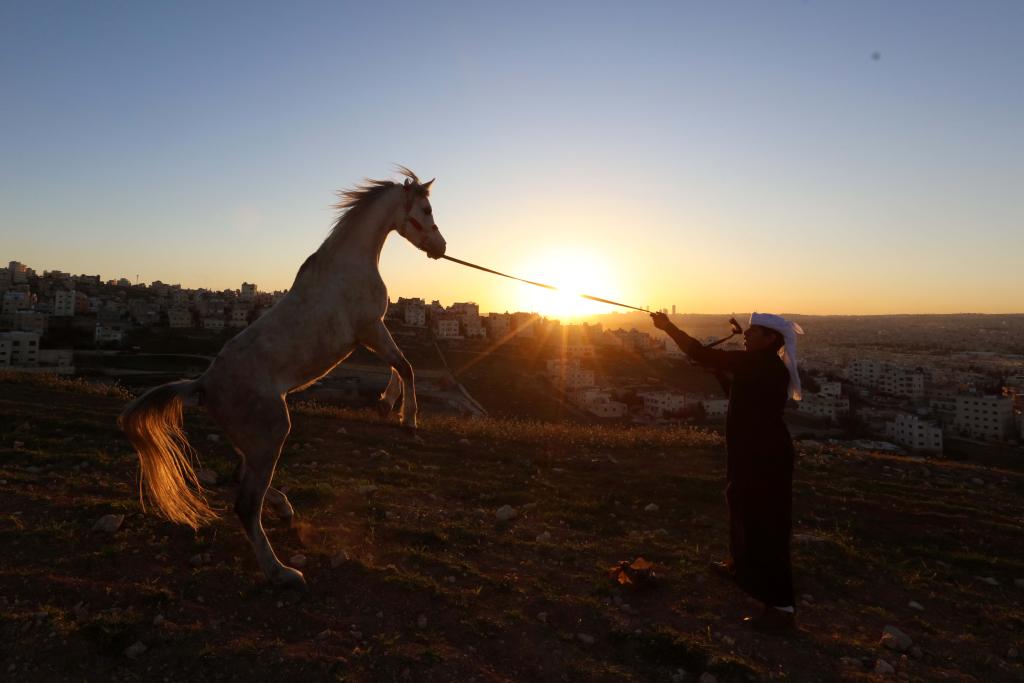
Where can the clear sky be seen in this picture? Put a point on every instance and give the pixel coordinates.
(812, 157)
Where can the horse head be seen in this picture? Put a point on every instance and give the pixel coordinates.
(417, 224)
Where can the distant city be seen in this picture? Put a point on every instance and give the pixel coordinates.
(926, 385)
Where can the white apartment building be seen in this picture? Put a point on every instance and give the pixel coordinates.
(239, 316)
(984, 417)
(498, 325)
(830, 389)
(672, 349)
(887, 377)
(248, 292)
(825, 407)
(179, 298)
(579, 349)
(107, 335)
(715, 407)
(599, 403)
(415, 313)
(64, 303)
(213, 323)
(15, 301)
(179, 317)
(19, 349)
(915, 434)
(657, 403)
(567, 373)
(447, 328)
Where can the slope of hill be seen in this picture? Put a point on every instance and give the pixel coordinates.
(413, 578)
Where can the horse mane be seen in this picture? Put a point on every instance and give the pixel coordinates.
(354, 201)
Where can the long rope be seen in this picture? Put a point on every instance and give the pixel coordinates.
(540, 284)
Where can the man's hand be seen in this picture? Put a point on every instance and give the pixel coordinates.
(661, 321)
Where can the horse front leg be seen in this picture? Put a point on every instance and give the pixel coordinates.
(389, 398)
(379, 340)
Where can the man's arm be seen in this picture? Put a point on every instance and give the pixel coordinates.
(715, 358)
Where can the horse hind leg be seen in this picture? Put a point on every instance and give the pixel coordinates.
(388, 400)
(258, 431)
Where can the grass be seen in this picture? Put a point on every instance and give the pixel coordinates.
(499, 605)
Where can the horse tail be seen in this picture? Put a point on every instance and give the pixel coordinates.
(153, 423)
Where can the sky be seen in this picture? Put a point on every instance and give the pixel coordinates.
(802, 157)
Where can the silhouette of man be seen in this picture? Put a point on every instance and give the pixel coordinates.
(759, 471)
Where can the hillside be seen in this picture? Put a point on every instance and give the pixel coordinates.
(412, 577)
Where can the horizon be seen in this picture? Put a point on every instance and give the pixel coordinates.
(835, 160)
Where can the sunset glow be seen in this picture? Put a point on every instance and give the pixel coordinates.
(574, 272)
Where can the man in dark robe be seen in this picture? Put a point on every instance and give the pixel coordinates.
(759, 470)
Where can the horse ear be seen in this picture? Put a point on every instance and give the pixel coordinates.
(408, 182)
(426, 185)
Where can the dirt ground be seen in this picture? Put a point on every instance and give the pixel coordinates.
(413, 578)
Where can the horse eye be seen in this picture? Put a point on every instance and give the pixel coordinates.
(427, 210)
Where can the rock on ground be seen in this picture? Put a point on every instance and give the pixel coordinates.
(135, 650)
(108, 523)
(298, 561)
(895, 639)
(505, 513)
(884, 668)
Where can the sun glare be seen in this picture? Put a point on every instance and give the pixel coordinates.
(574, 273)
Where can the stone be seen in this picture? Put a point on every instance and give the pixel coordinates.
(158, 620)
(679, 676)
(544, 537)
(366, 488)
(341, 430)
(379, 453)
(199, 559)
(463, 442)
(505, 513)
(1012, 653)
(339, 559)
(884, 668)
(585, 638)
(421, 621)
(987, 579)
(895, 639)
(977, 481)
(135, 650)
(851, 662)
(916, 652)
(108, 523)
(207, 477)
(213, 438)
(914, 604)
(542, 617)
(651, 507)
(707, 678)
(298, 561)
(1019, 583)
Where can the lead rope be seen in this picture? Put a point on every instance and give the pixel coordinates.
(540, 284)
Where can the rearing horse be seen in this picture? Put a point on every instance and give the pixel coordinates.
(338, 300)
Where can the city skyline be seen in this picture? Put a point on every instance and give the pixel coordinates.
(859, 159)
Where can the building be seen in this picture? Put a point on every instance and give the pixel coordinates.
(887, 378)
(984, 417)
(107, 335)
(446, 327)
(57, 361)
(239, 316)
(825, 407)
(599, 403)
(468, 315)
(915, 434)
(179, 317)
(213, 323)
(19, 272)
(248, 292)
(568, 374)
(498, 325)
(414, 312)
(19, 349)
(31, 321)
(830, 389)
(715, 408)
(64, 303)
(659, 403)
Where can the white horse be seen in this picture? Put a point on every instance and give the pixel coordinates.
(338, 300)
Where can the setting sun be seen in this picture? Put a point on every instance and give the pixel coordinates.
(573, 272)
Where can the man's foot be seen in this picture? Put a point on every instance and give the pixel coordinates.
(772, 620)
(725, 569)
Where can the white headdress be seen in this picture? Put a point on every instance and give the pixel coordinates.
(788, 330)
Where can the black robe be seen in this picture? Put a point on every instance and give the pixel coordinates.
(759, 472)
